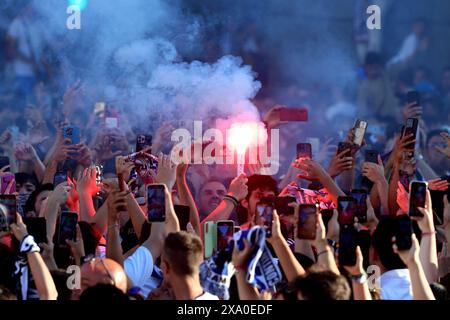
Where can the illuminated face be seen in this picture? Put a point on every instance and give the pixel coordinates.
(210, 196)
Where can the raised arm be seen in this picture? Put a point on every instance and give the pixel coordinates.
(291, 267)
(420, 287)
(238, 191)
(359, 278)
(375, 173)
(240, 260)
(186, 197)
(428, 249)
(325, 254)
(116, 203)
(58, 197)
(25, 153)
(41, 275)
(87, 188)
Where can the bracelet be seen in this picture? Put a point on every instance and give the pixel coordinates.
(114, 225)
(431, 233)
(359, 278)
(240, 267)
(232, 199)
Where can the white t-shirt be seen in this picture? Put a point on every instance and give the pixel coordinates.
(396, 285)
(408, 48)
(207, 296)
(139, 268)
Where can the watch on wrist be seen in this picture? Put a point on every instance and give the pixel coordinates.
(359, 278)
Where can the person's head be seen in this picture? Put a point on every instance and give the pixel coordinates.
(210, 195)
(259, 186)
(382, 245)
(103, 271)
(181, 256)
(419, 26)
(439, 291)
(373, 65)
(6, 294)
(37, 198)
(322, 285)
(103, 292)
(434, 139)
(25, 183)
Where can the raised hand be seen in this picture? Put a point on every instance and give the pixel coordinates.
(87, 182)
(373, 171)
(238, 187)
(402, 198)
(77, 246)
(25, 152)
(310, 169)
(340, 163)
(61, 193)
(166, 173)
(438, 184)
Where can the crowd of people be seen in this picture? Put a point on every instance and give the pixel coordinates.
(81, 227)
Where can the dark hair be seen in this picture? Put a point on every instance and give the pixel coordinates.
(103, 292)
(7, 260)
(22, 177)
(31, 201)
(436, 132)
(439, 291)
(382, 243)
(184, 252)
(258, 181)
(374, 58)
(323, 285)
(6, 294)
(60, 279)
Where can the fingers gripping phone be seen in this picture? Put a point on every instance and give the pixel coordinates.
(156, 203)
(413, 97)
(8, 216)
(307, 220)
(342, 146)
(417, 197)
(225, 231)
(293, 114)
(264, 217)
(67, 227)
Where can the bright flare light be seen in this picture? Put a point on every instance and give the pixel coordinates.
(240, 137)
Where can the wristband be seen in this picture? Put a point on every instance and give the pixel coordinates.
(360, 278)
(431, 233)
(28, 245)
(232, 199)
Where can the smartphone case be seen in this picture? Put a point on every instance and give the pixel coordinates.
(210, 236)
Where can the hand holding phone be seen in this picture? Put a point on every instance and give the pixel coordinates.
(225, 231)
(360, 196)
(293, 114)
(264, 217)
(348, 241)
(59, 177)
(156, 203)
(73, 134)
(67, 227)
(403, 232)
(307, 221)
(417, 197)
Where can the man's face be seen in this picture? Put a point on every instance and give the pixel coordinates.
(210, 196)
(25, 188)
(255, 198)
